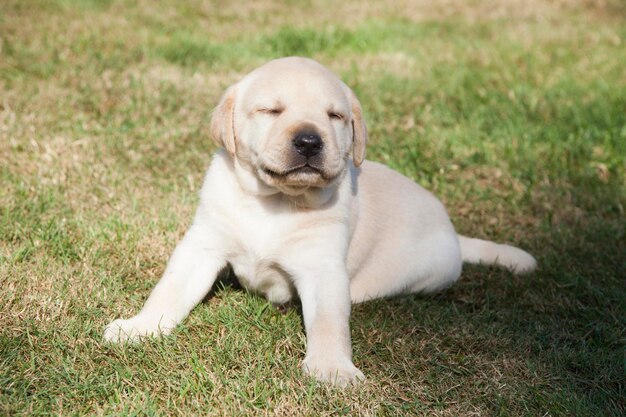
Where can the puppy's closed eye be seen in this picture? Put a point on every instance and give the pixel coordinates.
(271, 111)
(336, 115)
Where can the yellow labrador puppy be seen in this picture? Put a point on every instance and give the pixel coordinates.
(294, 208)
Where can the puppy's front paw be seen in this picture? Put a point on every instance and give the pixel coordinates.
(132, 330)
(337, 372)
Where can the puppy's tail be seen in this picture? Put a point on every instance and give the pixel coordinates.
(490, 253)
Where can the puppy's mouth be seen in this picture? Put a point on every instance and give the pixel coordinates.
(301, 176)
(305, 169)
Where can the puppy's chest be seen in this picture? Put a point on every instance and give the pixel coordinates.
(256, 233)
(257, 243)
(263, 276)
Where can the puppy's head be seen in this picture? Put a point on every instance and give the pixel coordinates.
(292, 124)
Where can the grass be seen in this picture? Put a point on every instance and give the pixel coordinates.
(513, 113)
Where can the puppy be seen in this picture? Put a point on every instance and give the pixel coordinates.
(294, 208)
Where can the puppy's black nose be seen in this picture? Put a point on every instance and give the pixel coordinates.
(308, 143)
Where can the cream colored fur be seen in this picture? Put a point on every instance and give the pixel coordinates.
(346, 230)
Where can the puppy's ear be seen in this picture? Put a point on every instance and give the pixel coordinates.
(359, 136)
(222, 127)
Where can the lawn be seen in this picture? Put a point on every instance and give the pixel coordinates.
(513, 113)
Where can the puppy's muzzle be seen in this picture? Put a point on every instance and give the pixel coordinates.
(308, 143)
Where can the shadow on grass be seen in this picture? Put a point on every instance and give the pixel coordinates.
(550, 341)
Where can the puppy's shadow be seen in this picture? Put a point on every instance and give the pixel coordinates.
(227, 279)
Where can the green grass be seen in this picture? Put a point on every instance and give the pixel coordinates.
(516, 120)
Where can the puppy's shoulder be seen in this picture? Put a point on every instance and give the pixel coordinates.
(220, 184)
(378, 181)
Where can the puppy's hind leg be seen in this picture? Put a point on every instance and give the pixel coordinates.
(441, 263)
(190, 273)
(429, 264)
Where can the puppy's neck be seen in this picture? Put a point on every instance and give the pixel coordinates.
(249, 182)
(312, 198)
